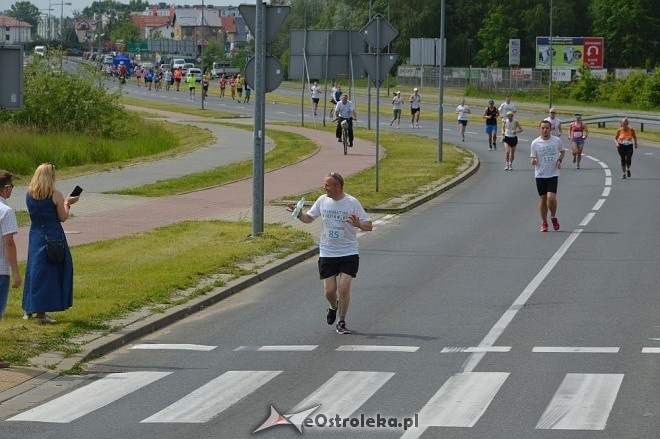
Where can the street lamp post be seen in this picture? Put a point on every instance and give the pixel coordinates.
(61, 5)
(469, 41)
(50, 36)
(202, 56)
(551, 56)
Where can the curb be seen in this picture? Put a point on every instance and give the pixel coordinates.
(154, 322)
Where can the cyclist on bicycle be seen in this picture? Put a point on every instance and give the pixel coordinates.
(345, 111)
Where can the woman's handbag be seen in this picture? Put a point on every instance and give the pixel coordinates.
(55, 250)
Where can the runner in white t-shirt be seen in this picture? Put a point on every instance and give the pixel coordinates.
(316, 95)
(462, 110)
(555, 123)
(342, 216)
(397, 103)
(507, 106)
(547, 152)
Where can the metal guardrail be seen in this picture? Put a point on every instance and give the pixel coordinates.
(641, 119)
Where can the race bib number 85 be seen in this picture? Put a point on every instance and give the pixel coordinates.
(335, 233)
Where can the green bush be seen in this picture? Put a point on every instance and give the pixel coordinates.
(628, 89)
(66, 102)
(586, 88)
(649, 98)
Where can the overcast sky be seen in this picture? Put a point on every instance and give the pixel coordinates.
(79, 5)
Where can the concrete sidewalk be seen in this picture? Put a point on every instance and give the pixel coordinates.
(99, 216)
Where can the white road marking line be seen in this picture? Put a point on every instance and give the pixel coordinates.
(344, 393)
(598, 204)
(182, 347)
(460, 402)
(288, 348)
(582, 402)
(576, 349)
(278, 348)
(473, 349)
(91, 397)
(501, 325)
(587, 219)
(608, 173)
(650, 350)
(606, 191)
(376, 348)
(608, 181)
(214, 397)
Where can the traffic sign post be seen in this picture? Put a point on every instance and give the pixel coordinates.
(378, 33)
(264, 22)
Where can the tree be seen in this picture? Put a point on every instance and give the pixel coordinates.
(628, 27)
(25, 11)
(213, 51)
(494, 38)
(126, 31)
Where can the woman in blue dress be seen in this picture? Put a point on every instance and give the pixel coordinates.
(48, 286)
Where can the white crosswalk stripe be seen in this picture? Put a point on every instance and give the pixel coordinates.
(89, 398)
(345, 392)
(461, 401)
(214, 397)
(582, 402)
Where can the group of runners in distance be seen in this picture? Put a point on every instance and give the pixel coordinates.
(154, 77)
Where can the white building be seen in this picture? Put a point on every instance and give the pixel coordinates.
(15, 31)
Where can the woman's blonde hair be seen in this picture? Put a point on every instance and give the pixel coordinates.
(42, 183)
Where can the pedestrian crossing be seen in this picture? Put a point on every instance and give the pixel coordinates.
(582, 401)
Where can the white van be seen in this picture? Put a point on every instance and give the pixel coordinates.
(177, 63)
(40, 50)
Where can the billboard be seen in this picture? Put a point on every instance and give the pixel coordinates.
(11, 85)
(514, 51)
(569, 52)
(427, 52)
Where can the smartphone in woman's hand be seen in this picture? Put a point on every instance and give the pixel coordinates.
(76, 191)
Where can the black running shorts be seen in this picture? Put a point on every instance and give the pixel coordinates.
(545, 185)
(329, 267)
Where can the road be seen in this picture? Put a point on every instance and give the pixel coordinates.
(465, 319)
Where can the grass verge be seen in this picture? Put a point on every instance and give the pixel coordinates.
(408, 168)
(113, 278)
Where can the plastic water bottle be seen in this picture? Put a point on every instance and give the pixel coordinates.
(298, 208)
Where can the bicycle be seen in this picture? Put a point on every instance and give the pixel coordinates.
(344, 134)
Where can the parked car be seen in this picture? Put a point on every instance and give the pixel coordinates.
(187, 66)
(147, 65)
(40, 50)
(165, 67)
(196, 72)
(178, 63)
